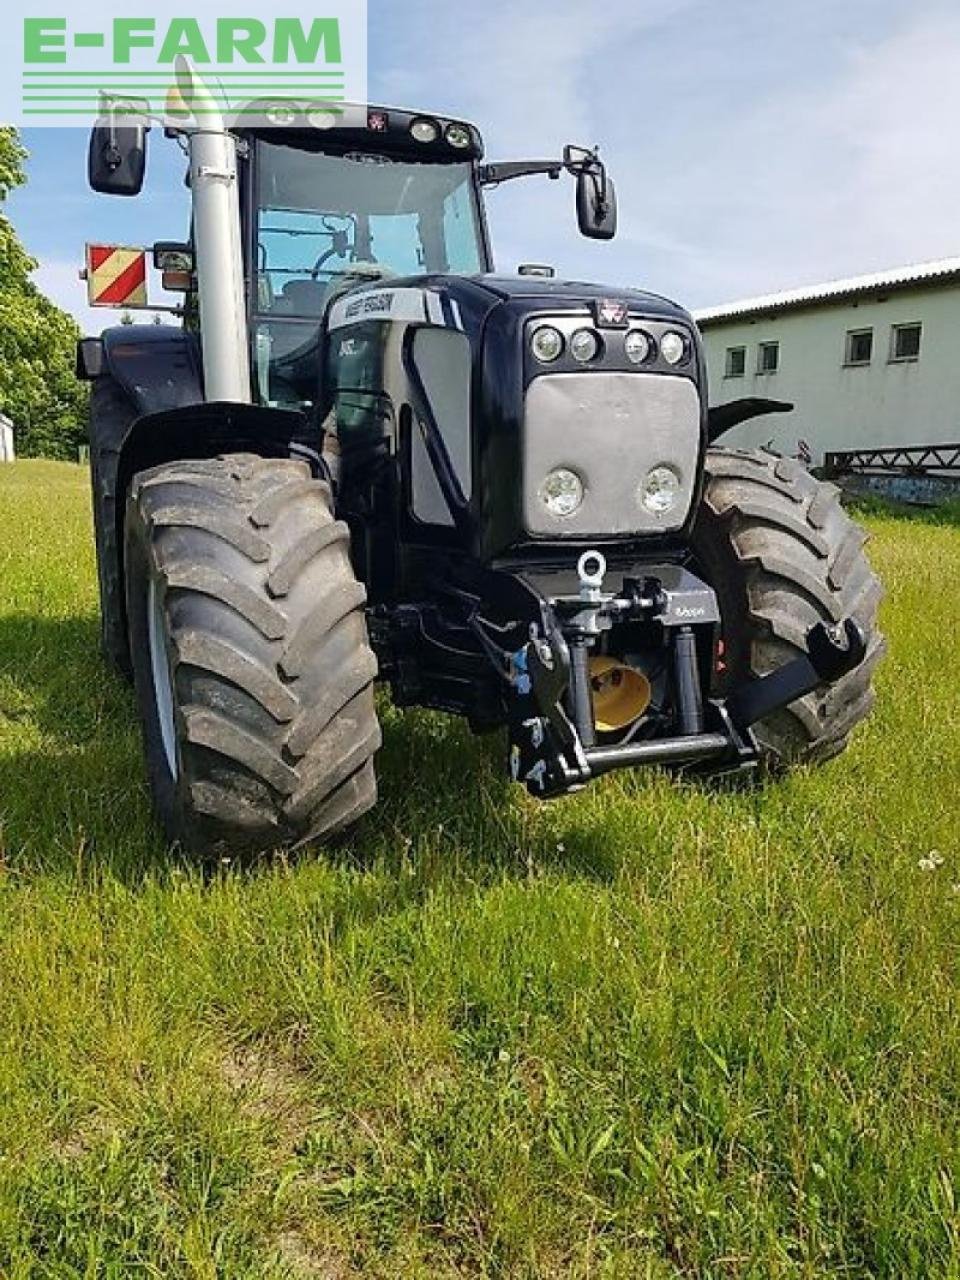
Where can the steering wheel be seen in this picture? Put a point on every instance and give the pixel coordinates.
(339, 248)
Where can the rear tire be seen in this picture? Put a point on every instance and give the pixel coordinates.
(253, 671)
(782, 554)
(111, 415)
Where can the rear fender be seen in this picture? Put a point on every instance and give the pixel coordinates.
(156, 366)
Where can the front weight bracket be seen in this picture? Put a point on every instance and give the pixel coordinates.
(832, 652)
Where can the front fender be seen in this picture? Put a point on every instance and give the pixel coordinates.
(724, 417)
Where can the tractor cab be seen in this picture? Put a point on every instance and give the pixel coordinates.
(384, 196)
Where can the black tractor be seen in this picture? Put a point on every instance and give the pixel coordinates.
(364, 456)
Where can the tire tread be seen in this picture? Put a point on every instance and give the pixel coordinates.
(275, 710)
(785, 555)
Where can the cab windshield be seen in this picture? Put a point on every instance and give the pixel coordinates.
(329, 222)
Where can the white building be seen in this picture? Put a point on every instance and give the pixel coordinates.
(872, 361)
(6, 439)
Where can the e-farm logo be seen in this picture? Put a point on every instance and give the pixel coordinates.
(97, 60)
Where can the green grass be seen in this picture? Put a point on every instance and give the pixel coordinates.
(647, 1031)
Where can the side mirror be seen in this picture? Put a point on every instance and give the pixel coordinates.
(117, 157)
(174, 260)
(596, 193)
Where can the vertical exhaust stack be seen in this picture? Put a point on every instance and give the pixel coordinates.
(218, 249)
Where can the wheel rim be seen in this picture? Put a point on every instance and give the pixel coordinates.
(162, 684)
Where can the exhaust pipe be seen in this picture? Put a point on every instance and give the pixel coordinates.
(214, 189)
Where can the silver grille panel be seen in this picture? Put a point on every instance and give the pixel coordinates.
(611, 428)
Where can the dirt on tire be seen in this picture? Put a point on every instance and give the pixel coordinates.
(252, 666)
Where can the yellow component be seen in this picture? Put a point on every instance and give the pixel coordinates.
(621, 694)
(176, 104)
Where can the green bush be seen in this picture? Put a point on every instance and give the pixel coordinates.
(38, 390)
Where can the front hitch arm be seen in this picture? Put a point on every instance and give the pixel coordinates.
(832, 652)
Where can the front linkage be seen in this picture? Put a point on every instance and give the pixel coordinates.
(553, 738)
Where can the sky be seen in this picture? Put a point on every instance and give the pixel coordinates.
(755, 146)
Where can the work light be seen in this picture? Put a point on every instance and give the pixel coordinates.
(660, 490)
(458, 135)
(424, 130)
(673, 347)
(637, 346)
(282, 113)
(562, 492)
(322, 117)
(584, 346)
(547, 344)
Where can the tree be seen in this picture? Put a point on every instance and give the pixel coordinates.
(38, 389)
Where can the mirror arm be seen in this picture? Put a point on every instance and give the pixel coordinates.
(491, 175)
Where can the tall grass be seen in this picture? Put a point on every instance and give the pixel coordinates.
(646, 1031)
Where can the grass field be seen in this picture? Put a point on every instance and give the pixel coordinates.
(647, 1031)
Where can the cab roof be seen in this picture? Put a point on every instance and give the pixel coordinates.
(322, 125)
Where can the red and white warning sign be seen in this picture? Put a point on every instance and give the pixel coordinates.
(116, 276)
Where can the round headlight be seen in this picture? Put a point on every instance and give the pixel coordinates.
(322, 118)
(562, 492)
(424, 130)
(282, 113)
(547, 344)
(660, 490)
(673, 347)
(637, 346)
(584, 346)
(458, 135)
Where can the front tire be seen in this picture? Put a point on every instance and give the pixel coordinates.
(253, 671)
(782, 555)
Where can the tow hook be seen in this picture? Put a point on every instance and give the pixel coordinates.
(583, 629)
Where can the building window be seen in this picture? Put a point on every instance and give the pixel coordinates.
(768, 357)
(905, 342)
(736, 365)
(859, 346)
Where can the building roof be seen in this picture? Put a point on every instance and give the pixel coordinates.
(934, 273)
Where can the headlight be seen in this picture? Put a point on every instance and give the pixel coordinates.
(637, 346)
(660, 490)
(673, 347)
(458, 135)
(322, 117)
(424, 130)
(282, 113)
(562, 492)
(584, 346)
(547, 344)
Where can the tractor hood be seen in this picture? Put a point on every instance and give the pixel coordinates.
(541, 292)
(477, 296)
(618, 398)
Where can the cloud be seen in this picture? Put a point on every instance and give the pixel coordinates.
(748, 156)
(839, 168)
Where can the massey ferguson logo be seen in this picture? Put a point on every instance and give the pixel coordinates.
(370, 304)
(612, 313)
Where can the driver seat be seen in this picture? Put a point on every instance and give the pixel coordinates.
(303, 297)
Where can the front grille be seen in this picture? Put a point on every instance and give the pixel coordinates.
(611, 428)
